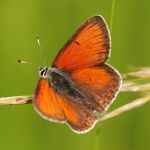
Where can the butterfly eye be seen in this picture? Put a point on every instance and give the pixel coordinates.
(43, 71)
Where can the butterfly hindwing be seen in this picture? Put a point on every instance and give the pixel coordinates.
(89, 46)
(100, 84)
(78, 117)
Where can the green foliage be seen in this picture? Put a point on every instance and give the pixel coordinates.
(54, 21)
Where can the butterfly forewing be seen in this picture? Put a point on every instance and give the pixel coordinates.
(89, 46)
(46, 102)
(55, 107)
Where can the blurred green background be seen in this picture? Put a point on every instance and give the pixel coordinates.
(54, 21)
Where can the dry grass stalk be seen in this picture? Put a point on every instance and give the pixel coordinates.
(128, 86)
(132, 105)
(16, 100)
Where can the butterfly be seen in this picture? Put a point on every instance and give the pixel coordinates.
(79, 84)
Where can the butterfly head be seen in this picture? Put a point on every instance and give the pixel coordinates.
(43, 71)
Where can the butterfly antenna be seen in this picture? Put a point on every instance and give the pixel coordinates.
(26, 62)
(41, 50)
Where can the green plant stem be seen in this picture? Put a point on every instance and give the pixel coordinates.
(112, 14)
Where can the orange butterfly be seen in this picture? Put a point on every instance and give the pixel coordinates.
(79, 84)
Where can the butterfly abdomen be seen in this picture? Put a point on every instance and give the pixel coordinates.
(62, 83)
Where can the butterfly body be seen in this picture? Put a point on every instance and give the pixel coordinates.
(61, 81)
(63, 84)
(80, 83)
